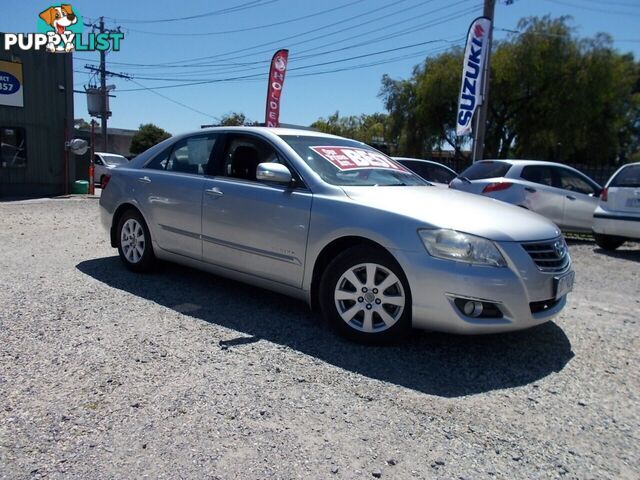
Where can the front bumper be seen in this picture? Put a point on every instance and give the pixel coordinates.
(518, 290)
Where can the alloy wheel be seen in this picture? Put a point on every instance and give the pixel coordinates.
(132, 240)
(369, 298)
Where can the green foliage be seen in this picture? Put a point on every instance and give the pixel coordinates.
(234, 119)
(366, 128)
(553, 97)
(146, 137)
(81, 124)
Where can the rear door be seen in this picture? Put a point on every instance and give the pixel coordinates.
(580, 199)
(169, 190)
(624, 191)
(541, 193)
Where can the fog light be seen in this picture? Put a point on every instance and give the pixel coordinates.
(473, 309)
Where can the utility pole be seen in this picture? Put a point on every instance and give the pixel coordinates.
(104, 114)
(481, 116)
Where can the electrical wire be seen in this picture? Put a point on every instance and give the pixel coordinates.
(247, 29)
(262, 74)
(422, 26)
(223, 11)
(280, 41)
(184, 105)
(593, 9)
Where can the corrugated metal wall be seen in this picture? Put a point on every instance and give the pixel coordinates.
(47, 107)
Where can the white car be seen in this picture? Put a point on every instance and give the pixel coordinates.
(103, 162)
(434, 172)
(564, 195)
(617, 217)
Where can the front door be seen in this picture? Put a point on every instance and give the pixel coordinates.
(255, 227)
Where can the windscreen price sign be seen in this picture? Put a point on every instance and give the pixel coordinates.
(349, 158)
(11, 84)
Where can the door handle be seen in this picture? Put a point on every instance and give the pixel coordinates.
(215, 191)
(530, 189)
(144, 179)
(571, 197)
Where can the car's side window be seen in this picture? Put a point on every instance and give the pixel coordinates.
(189, 155)
(243, 155)
(419, 169)
(539, 174)
(440, 174)
(97, 160)
(572, 181)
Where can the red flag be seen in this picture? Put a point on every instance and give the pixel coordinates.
(274, 90)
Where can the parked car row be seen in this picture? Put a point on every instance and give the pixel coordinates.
(566, 196)
(334, 222)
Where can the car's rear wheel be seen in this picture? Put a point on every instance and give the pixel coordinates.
(608, 242)
(134, 242)
(364, 295)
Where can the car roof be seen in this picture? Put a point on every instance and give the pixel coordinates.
(276, 131)
(522, 162)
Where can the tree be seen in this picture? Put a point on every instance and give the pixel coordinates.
(81, 124)
(553, 97)
(235, 119)
(366, 128)
(146, 137)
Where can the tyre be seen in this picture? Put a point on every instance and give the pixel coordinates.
(365, 296)
(101, 181)
(608, 242)
(134, 242)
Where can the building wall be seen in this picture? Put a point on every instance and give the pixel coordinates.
(48, 107)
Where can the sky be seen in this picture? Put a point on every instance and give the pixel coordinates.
(338, 50)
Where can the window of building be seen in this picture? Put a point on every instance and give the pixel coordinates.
(13, 147)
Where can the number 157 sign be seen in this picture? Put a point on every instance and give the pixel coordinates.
(11, 84)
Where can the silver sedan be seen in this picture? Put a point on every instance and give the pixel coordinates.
(559, 192)
(341, 226)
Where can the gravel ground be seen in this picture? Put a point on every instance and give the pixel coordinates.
(107, 374)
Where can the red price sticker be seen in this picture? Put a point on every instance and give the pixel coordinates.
(348, 158)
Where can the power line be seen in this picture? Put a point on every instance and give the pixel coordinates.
(247, 29)
(202, 82)
(558, 35)
(323, 28)
(174, 100)
(593, 9)
(422, 26)
(223, 11)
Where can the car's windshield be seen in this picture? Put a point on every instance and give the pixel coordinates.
(628, 177)
(346, 162)
(115, 159)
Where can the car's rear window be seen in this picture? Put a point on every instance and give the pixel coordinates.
(490, 169)
(628, 177)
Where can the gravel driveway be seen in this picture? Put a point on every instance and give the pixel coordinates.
(177, 374)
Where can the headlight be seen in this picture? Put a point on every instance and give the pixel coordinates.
(461, 247)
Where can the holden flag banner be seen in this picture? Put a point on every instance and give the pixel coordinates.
(471, 90)
(274, 89)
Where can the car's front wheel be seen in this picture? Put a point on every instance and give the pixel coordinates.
(608, 242)
(134, 242)
(365, 296)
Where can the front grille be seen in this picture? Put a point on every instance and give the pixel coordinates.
(549, 256)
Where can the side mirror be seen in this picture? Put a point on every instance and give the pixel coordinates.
(273, 172)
